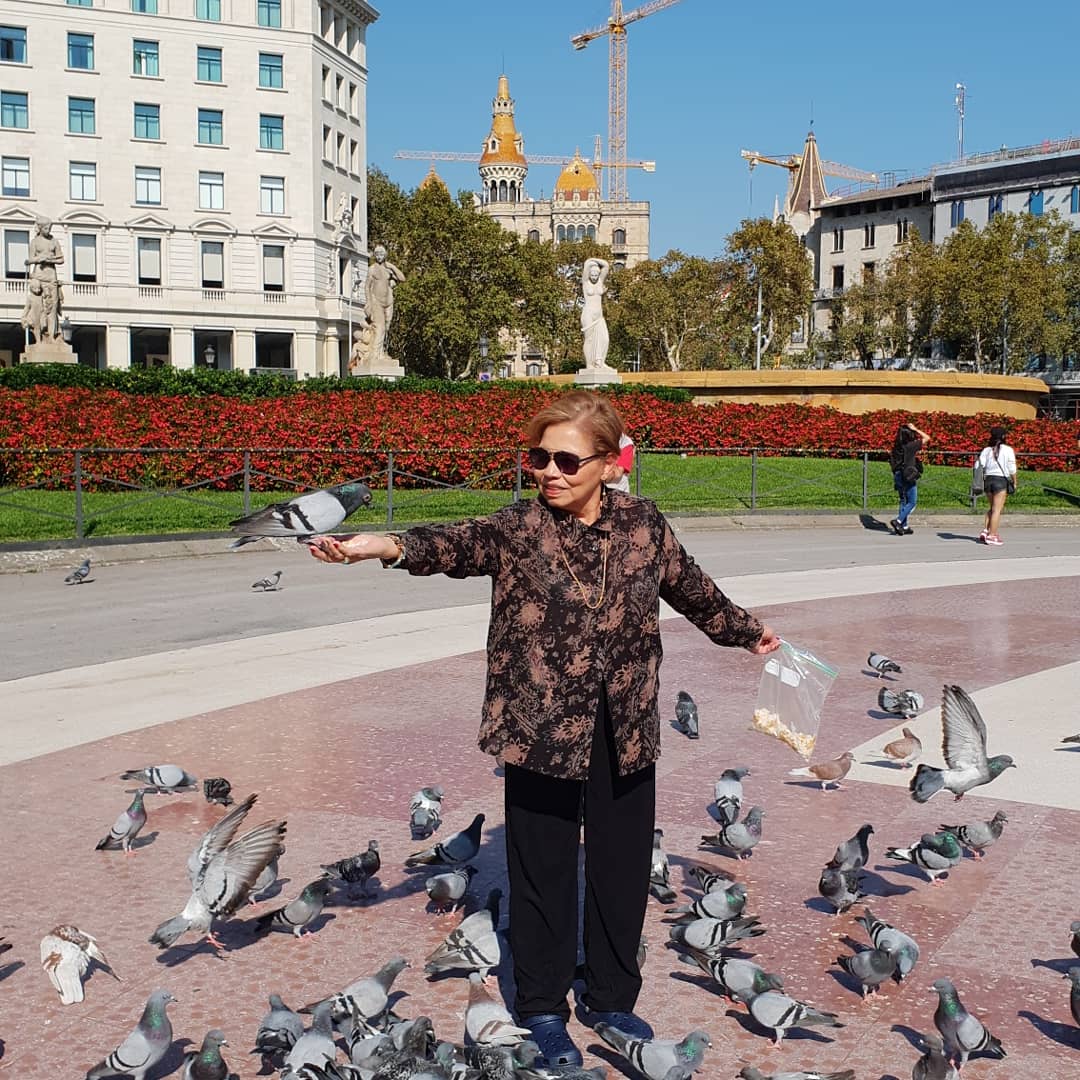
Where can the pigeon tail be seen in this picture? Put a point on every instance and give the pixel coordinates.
(169, 932)
(926, 782)
(237, 544)
(616, 1039)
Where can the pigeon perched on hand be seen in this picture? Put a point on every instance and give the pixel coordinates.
(473, 945)
(780, 1013)
(366, 997)
(659, 871)
(733, 975)
(962, 1033)
(749, 1073)
(79, 574)
(459, 848)
(1073, 975)
(686, 715)
(269, 583)
(840, 887)
(487, 1021)
(853, 854)
(145, 1046)
(299, 913)
(728, 794)
(218, 790)
(712, 935)
(901, 946)
(827, 772)
(741, 836)
(905, 703)
(357, 869)
(979, 835)
(162, 779)
(278, 1031)
(448, 890)
(305, 516)
(905, 750)
(126, 827)
(207, 1062)
(66, 955)
(964, 746)
(883, 665)
(933, 1065)
(719, 904)
(934, 854)
(425, 811)
(870, 968)
(655, 1058)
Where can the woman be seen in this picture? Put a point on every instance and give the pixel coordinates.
(906, 468)
(571, 701)
(998, 461)
(593, 285)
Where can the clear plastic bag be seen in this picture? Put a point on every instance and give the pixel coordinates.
(793, 688)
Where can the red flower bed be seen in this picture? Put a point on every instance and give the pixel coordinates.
(469, 431)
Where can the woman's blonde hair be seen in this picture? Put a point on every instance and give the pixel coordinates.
(592, 411)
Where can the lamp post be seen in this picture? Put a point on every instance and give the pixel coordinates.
(66, 329)
(210, 355)
(757, 329)
(485, 366)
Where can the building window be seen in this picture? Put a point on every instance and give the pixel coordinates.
(994, 206)
(273, 256)
(82, 181)
(82, 118)
(354, 156)
(271, 132)
(80, 3)
(560, 234)
(210, 10)
(147, 121)
(148, 259)
(16, 177)
(838, 239)
(327, 202)
(271, 71)
(325, 83)
(1035, 203)
(83, 257)
(590, 232)
(213, 264)
(272, 194)
(327, 142)
(16, 252)
(80, 51)
(207, 64)
(902, 225)
(144, 7)
(354, 98)
(211, 127)
(211, 191)
(270, 13)
(14, 109)
(145, 58)
(838, 278)
(339, 157)
(534, 236)
(12, 45)
(147, 186)
(956, 213)
(869, 231)
(868, 271)
(1074, 199)
(618, 238)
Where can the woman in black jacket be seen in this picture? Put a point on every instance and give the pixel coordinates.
(906, 469)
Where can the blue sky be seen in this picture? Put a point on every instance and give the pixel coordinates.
(709, 77)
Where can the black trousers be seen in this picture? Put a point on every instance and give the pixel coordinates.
(543, 825)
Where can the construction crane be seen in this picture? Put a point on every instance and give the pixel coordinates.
(793, 161)
(616, 26)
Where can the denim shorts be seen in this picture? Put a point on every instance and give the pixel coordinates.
(993, 484)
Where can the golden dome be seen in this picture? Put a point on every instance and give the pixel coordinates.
(432, 178)
(576, 176)
(504, 146)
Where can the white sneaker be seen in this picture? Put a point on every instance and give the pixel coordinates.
(993, 540)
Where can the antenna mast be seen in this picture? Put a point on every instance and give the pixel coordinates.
(961, 91)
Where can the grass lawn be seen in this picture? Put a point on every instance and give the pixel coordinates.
(679, 485)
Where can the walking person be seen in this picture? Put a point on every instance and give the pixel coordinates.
(998, 460)
(571, 702)
(906, 469)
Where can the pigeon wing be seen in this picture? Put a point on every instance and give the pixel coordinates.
(316, 512)
(65, 963)
(964, 733)
(229, 876)
(218, 838)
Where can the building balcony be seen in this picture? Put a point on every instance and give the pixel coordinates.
(828, 294)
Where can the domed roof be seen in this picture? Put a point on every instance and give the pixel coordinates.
(576, 176)
(432, 178)
(504, 146)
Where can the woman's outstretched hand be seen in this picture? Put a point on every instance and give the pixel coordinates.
(328, 549)
(767, 643)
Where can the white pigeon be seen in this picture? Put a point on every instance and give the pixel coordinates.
(66, 954)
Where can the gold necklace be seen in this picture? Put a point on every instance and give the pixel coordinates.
(581, 588)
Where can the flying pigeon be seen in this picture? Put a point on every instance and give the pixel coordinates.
(207, 1062)
(901, 946)
(66, 955)
(710, 880)
(905, 703)
(459, 848)
(425, 811)
(741, 836)
(733, 975)
(779, 1013)
(145, 1046)
(659, 871)
(728, 794)
(357, 869)
(933, 854)
(218, 790)
(964, 746)
(486, 1020)
(126, 827)
(315, 1047)
(367, 996)
(827, 772)
(301, 912)
(711, 935)
(1073, 975)
(840, 887)
(906, 750)
(268, 584)
(278, 1031)
(305, 516)
(853, 854)
(162, 779)
(79, 574)
(447, 890)
(655, 1058)
(719, 904)
(882, 664)
(933, 1065)
(962, 1033)
(979, 835)
(870, 968)
(686, 715)
(747, 1072)
(473, 945)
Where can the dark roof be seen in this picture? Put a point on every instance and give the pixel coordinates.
(873, 194)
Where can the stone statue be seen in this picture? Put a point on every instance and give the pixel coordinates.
(593, 276)
(382, 276)
(44, 295)
(363, 339)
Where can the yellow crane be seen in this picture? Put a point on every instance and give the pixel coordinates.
(616, 26)
(793, 161)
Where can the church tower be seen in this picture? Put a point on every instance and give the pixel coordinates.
(502, 163)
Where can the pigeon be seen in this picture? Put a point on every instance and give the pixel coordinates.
(840, 887)
(732, 974)
(473, 945)
(901, 946)
(425, 812)
(905, 750)
(367, 996)
(66, 955)
(267, 879)
(126, 828)
(905, 703)
(457, 849)
(307, 515)
(409, 1061)
(218, 790)
(686, 715)
(710, 880)
(933, 1065)
(979, 835)
(1071, 738)
(357, 869)
(780, 1013)
(719, 904)
(934, 854)
(882, 664)
(712, 935)
(145, 1046)
(741, 836)
(853, 854)
(656, 1058)
(79, 574)
(162, 779)
(315, 1046)
(728, 794)
(207, 1063)
(827, 772)
(1074, 929)
(278, 1030)
(268, 584)
(301, 912)
(870, 967)
(964, 746)
(447, 890)
(1073, 975)
(218, 836)
(487, 1021)
(747, 1072)
(962, 1033)
(4, 946)
(659, 871)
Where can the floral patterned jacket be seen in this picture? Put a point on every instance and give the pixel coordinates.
(548, 653)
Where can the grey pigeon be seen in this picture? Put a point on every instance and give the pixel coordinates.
(409, 1061)
(686, 715)
(840, 887)
(448, 890)
(145, 1046)
(316, 1045)
(853, 854)
(827, 772)
(66, 955)
(126, 827)
(659, 871)
(162, 779)
(905, 703)
(903, 947)
(473, 945)
(906, 750)
(425, 811)
(740, 837)
(734, 975)
(218, 790)
(779, 1013)
(934, 854)
(269, 583)
(487, 1021)
(207, 1062)
(964, 746)
(728, 794)
(278, 1030)
(656, 1058)
(933, 1065)
(1071, 738)
(710, 880)
(365, 997)
(219, 836)
(1074, 929)
(963, 1034)
(979, 835)
(298, 913)
(719, 904)
(79, 574)
(459, 848)
(357, 869)
(1073, 975)
(749, 1073)
(305, 516)
(870, 968)
(712, 935)
(883, 665)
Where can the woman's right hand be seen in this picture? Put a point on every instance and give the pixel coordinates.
(328, 549)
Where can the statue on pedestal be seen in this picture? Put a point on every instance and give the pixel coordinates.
(44, 295)
(382, 276)
(593, 276)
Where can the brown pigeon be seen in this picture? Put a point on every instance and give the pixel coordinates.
(828, 772)
(906, 750)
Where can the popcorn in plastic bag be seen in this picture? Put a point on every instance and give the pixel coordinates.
(792, 691)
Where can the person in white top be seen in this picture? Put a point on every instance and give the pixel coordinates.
(998, 461)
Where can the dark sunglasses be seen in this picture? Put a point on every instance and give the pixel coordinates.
(567, 463)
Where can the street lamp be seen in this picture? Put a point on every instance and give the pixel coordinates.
(66, 329)
(486, 367)
(210, 355)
